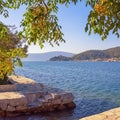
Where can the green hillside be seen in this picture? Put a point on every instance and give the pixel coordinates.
(113, 52)
(92, 55)
(98, 54)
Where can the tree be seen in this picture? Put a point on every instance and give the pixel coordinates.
(11, 50)
(104, 18)
(40, 23)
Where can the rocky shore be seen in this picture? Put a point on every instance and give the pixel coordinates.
(113, 114)
(26, 96)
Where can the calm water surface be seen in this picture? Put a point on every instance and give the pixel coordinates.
(95, 85)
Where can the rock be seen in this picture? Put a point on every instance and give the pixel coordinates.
(32, 97)
(57, 101)
(41, 100)
(19, 102)
(21, 108)
(9, 87)
(2, 114)
(21, 80)
(67, 96)
(71, 105)
(39, 94)
(55, 95)
(48, 98)
(113, 114)
(61, 107)
(3, 105)
(12, 114)
(10, 108)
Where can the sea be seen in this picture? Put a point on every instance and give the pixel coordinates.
(95, 86)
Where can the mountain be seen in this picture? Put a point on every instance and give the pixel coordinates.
(111, 53)
(98, 54)
(90, 55)
(46, 56)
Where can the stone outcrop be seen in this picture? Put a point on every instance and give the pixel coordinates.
(32, 97)
(113, 114)
(7, 88)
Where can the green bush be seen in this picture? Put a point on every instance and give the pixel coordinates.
(11, 50)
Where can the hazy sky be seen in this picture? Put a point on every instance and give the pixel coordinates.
(72, 20)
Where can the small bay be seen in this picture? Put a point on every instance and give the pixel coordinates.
(95, 85)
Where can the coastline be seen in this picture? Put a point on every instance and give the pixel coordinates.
(29, 97)
(20, 102)
(113, 114)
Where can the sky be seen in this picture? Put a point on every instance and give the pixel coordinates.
(73, 20)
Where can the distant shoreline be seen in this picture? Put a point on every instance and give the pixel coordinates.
(109, 55)
(73, 61)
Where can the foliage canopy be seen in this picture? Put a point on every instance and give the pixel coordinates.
(40, 23)
(104, 18)
(11, 50)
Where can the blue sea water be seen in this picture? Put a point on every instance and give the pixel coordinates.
(95, 85)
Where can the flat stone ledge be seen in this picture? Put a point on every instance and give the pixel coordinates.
(10, 100)
(113, 114)
(21, 80)
(10, 87)
(10, 95)
(32, 97)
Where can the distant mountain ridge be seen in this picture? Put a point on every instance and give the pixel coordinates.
(93, 55)
(46, 56)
